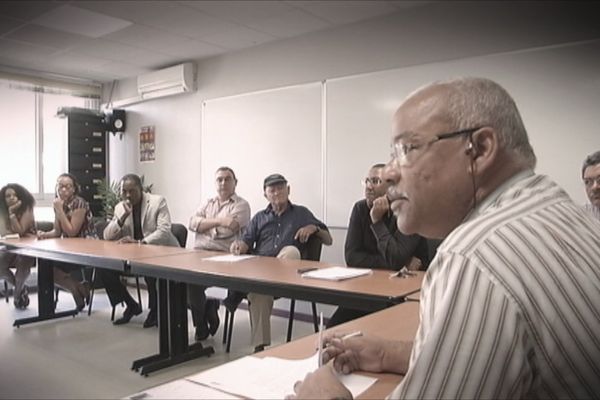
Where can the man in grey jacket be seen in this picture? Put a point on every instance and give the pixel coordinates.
(141, 218)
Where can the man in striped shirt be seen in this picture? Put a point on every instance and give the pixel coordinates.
(591, 179)
(510, 305)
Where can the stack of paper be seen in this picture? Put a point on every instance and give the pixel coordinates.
(269, 377)
(229, 257)
(336, 273)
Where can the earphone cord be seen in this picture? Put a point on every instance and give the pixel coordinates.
(473, 178)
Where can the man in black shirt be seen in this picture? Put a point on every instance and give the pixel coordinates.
(373, 239)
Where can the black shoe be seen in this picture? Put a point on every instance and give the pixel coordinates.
(151, 320)
(259, 348)
(22, 301)
(212, 316)
(129, 313)
(233, 300)
(201, 332)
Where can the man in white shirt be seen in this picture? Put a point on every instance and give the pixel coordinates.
(509, 305)
(217, 223)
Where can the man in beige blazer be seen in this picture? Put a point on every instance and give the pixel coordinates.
(141, 218)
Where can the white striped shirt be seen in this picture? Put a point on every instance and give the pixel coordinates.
(510, 306)
(592, 209)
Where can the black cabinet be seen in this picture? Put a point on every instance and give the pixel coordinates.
(88, 152)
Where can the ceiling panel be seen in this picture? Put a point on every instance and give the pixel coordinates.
(240, 11)
(23, 51)
(343, 12)
(293, 22)
(39, 35)
(118, 39)
(80, 21)
(26, 10)
(8, 24)
(238, 37)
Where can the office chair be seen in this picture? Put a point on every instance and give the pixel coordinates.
(180, 232)
(312, 252)
(39, 225)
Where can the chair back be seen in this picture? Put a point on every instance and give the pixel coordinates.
(180, 232)
(99, 227)
(312, 249)
(44, 226)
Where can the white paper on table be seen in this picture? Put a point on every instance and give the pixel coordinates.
(230, 257)
(336, 273)
(181, 389)
(269, 377)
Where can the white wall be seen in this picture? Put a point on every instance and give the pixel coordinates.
(428, 36)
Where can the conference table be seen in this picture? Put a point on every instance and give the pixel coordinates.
(266, 275)
(175, 267)
(399, 322)
(80, 251)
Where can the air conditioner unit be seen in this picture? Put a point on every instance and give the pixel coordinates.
(166, 82)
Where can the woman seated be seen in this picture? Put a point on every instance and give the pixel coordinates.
(16, 216)
(72, 218)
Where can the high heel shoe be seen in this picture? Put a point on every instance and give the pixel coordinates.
(79, 301)
(85, 292)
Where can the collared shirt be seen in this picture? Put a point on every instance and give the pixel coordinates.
(510, 306)
(268, 232)
(219, 238)
(380, 244)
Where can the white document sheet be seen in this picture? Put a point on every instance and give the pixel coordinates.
(336, 273)
(230, 257)
(181, 389)
(269, 377)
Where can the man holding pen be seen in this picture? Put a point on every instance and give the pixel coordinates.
(509, 304)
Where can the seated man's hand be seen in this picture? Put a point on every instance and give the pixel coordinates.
(304, 233)
(381, 206)
(238, 247)
(126, 239)
(231, 223)
(359, 353)
(320, 384)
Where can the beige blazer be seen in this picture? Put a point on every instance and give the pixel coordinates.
(156, 222)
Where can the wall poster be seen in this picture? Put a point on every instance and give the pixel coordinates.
(147, 144)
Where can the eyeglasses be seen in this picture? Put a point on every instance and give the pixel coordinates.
(408, 153)
(589, 182)
(372, 180)
(67, 186)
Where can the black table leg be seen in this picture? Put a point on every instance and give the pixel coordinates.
(173, 331)
(46, 304)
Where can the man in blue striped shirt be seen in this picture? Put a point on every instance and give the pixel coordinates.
(510, 305)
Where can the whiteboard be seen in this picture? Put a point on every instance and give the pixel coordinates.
(260, 133)
(556, 89)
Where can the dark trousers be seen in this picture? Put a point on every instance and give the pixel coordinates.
(117, 292)
(342, 315)
(196, 297)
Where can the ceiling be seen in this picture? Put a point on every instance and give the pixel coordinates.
(105, 40)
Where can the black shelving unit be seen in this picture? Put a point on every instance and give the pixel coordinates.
(87, 152)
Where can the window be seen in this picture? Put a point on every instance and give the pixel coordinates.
(34, 139)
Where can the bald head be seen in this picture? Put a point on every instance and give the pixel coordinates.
(469, 102)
